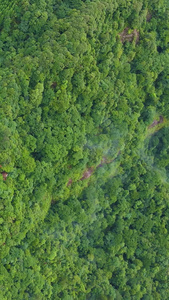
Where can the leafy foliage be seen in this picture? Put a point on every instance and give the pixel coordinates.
(84, 140)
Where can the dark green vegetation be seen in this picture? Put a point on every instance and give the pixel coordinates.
(84, 138)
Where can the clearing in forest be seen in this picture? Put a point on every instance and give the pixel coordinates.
(126, 36)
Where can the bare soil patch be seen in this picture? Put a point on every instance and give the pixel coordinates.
(5, 175)
(156, 122)
(69, 182)
(129, 37)
(87, 173)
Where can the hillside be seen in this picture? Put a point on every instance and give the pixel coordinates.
(84, 149)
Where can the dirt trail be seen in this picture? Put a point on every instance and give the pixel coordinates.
(156, 122)
(88, 172)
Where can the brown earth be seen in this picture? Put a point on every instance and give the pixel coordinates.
(87, 173)
(126, 37)
(69, 182)
(156, 122)
(5, 175)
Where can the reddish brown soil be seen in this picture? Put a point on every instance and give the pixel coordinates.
(87, 173)
(5, 175)
(69, 182)
(126, 37)
(156, 122)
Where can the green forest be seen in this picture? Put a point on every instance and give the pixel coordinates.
(84, 149)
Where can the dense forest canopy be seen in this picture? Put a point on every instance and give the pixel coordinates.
(84, 149)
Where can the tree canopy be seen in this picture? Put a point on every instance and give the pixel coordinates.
(84, 145)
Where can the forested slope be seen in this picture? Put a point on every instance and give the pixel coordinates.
(84, 149)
